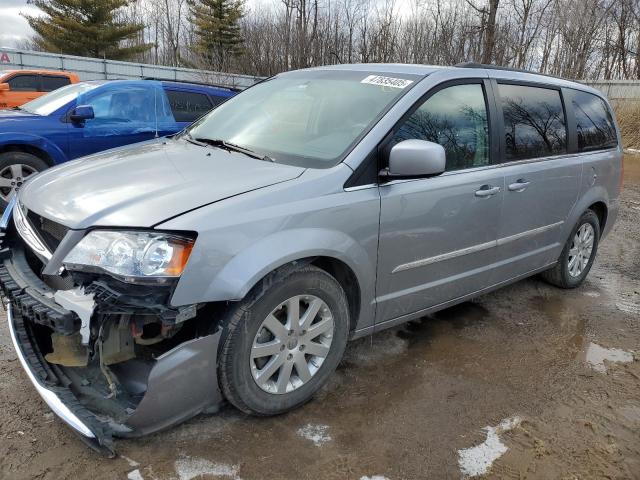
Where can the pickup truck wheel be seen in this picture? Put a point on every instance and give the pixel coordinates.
(282, 342)
(578, 254)
(15, 168)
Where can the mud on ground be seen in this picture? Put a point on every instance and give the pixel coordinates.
(516, 384)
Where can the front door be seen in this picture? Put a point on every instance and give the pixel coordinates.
(438, 235)
(125, 113)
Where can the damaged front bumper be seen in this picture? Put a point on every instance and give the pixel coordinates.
(60, 400)
(169, 388)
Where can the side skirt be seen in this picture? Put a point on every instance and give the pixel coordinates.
(441, 306)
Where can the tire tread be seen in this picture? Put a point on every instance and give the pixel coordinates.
(233, 319)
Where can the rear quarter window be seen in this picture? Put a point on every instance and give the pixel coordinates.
(53, 82)
(594, 123)
(534, 122)
(188, 106)
(217, 99)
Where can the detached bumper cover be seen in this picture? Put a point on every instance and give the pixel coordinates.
(181, 383)
(61, 400)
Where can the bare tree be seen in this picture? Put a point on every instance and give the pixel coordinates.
(570, 38)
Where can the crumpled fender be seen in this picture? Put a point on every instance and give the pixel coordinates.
(36, 141)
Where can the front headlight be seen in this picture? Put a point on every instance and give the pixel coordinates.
(131, 255)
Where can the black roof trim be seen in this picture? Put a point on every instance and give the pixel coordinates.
(506, 69)
(192, 82)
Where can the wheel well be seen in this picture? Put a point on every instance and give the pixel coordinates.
(347, 280)
(36, 152)
(600, 210)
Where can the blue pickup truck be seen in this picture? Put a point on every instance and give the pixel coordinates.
(89, 117)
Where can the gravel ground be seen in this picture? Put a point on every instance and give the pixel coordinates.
(526, 382)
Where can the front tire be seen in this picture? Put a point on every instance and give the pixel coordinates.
(15, 168)
(282, 342)
(578, 254)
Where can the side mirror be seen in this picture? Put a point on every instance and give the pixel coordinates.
(415, 158)
(5, 87)
(82, 113)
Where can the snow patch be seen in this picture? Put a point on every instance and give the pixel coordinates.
(189, 468)
(477, 460)
(131, 462)
(318, 434)
(596, 355)
(375, 477)
(135, 475)
(592, 294)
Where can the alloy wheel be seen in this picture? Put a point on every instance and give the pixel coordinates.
(12, 177)
(581, 249)
(291, 344)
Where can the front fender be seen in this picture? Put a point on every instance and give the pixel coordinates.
(234, 280)
(41, 143)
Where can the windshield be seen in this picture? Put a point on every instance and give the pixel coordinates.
(306, 118)
(49, 103)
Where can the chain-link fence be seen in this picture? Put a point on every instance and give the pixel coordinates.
(624, 95)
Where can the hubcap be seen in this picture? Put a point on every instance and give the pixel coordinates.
(291, 344)
(12, 177)
(581, 248)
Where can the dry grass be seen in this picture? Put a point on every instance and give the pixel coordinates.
(628, 115)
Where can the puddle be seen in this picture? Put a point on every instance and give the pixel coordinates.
(628, 306)
(463, 315)
(596, 355)
(189, 468)
(477, 460)
(318, 434)
(376, 349)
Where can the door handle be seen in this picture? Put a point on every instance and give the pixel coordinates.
(487, 191)
(519, 186)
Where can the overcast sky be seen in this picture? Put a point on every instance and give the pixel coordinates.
(14, 27)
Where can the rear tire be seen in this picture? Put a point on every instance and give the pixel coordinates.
(578, 254)
(15, 168)
(302, 349)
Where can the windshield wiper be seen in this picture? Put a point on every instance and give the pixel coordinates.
(231, 147)
(190, 139)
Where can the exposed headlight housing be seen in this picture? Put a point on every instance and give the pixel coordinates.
(131, 255)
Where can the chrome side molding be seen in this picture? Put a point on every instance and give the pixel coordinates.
(528, 233)
(474, 248)
(444, 256)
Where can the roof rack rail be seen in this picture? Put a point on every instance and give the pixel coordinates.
(194, 82)
(498, 67)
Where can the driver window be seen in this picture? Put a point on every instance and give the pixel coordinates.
(130, 105)
(456, 118)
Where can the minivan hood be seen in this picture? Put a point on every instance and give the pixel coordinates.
(143, 185)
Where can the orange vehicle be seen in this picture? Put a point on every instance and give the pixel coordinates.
(18, 87)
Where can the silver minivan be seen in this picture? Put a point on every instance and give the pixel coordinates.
(233, 261)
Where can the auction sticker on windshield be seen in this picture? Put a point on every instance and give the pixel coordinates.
(387, 81)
